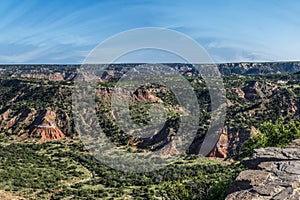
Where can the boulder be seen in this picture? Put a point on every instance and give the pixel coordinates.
(274, 173)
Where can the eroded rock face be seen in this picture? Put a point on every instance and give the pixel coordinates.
(146, 96)
(220, 150)
(45, 127)
(274, 174)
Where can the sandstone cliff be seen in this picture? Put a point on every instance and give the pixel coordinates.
(44, 127)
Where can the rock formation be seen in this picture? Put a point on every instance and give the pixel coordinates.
(45, 127)
(220, 150)
(146, 96)
(251, 101)
(274, 173)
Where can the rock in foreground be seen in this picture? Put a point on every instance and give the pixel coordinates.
(274, 173)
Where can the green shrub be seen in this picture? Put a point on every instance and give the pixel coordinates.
(273, 134)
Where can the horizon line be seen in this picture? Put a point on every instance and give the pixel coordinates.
(119, 63)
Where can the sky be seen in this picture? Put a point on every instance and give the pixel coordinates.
(64, 31)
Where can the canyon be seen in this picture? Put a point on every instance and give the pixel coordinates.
(37, 119)
(250, 101)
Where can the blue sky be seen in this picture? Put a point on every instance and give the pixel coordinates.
(64, 31)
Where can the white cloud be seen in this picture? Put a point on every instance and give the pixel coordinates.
(22, 57)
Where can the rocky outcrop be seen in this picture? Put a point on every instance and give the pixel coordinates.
(220, 150)
(252, 91)
(274, 173)
(146, 96)
(158, 140)
(45, 127)
(10, 120)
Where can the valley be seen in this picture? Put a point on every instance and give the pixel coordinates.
(42, 156)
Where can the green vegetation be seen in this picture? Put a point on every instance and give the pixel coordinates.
(57, 170)
(273, 134)
(63, 169)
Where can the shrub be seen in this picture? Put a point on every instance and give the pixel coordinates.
(273, 134)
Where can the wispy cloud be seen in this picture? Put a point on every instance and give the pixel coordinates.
(59, 31)
(25, 57)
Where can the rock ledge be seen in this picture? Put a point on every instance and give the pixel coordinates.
(274, 173)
